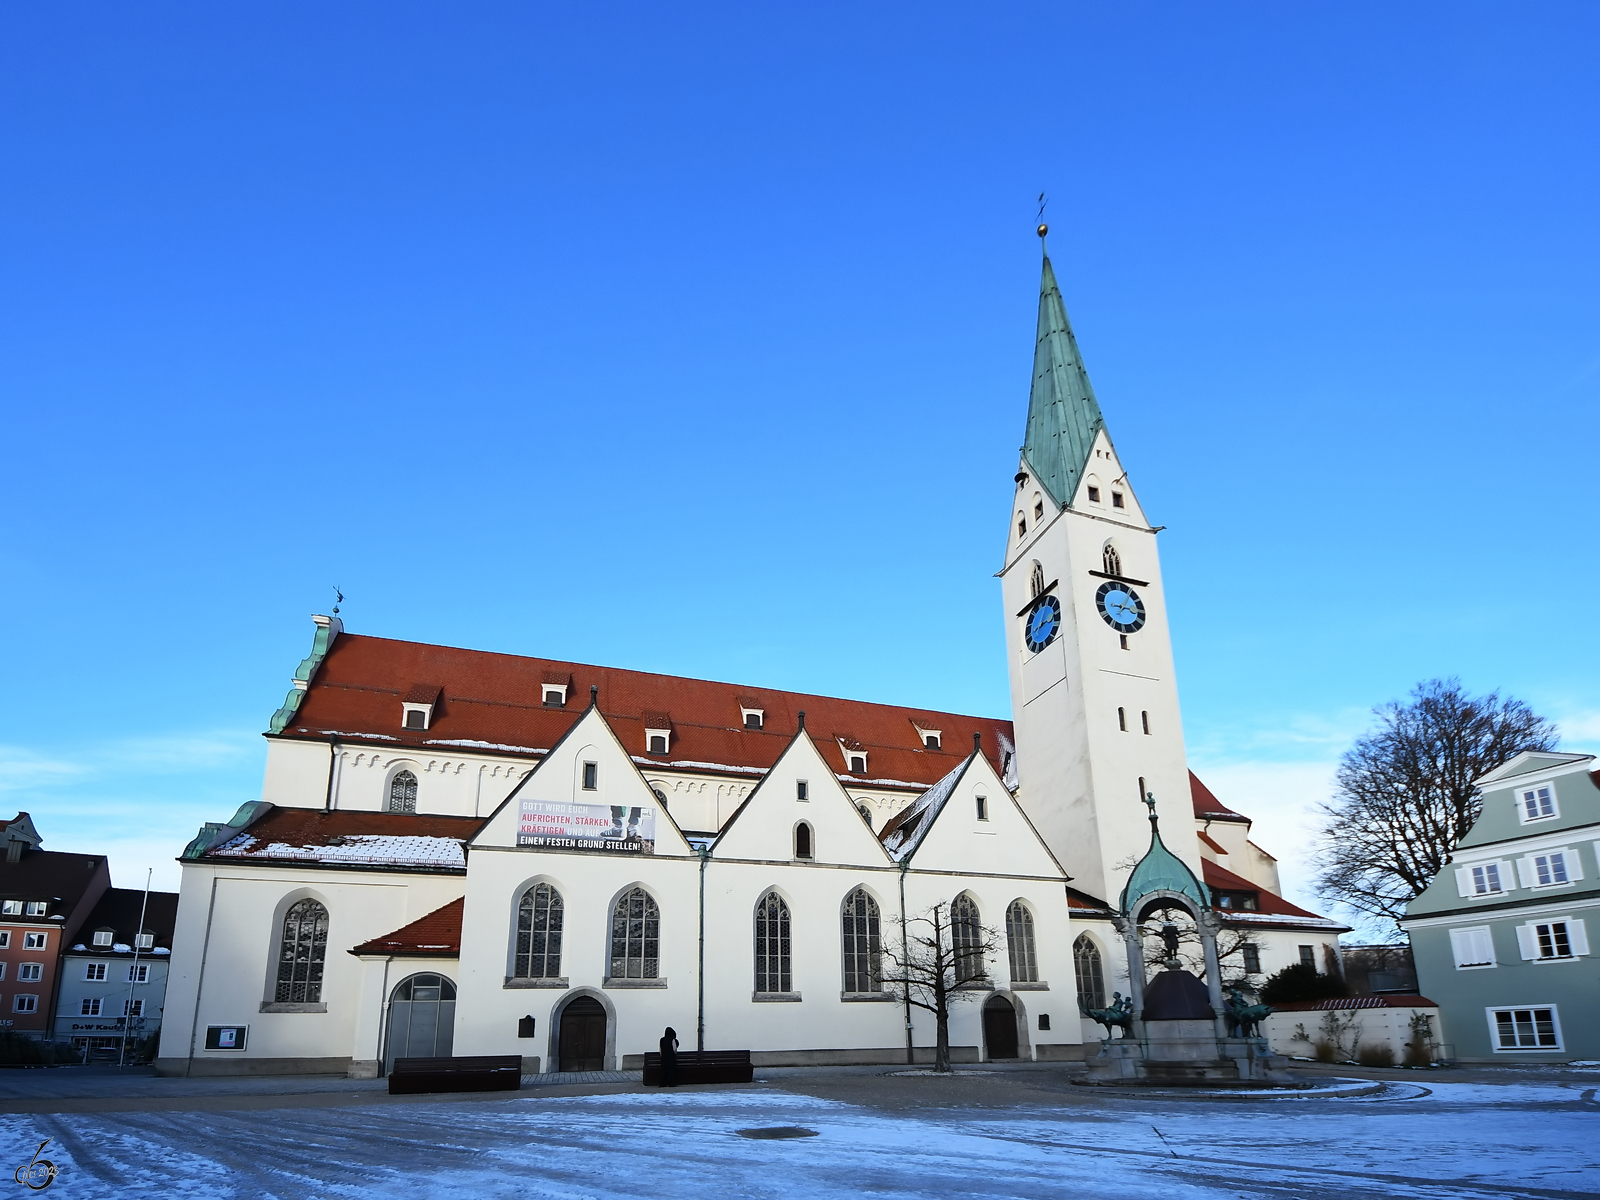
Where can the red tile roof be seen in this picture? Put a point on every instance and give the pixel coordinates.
(1268, 902)
(437, 935)
(1207, 840)
(386, 841)
(495, 702)
(1387, 1000)
(1207, 807)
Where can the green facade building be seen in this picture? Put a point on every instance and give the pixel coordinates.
(1501, 936)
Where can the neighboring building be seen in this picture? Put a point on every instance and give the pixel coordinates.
(1501, 936)
(43, 894)
(114, 974)
(460, 851)
(1379, 970)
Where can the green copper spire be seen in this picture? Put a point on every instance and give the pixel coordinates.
(1063, 415)
(1160, 870)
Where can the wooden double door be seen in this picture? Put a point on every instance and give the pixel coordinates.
(581, 1044)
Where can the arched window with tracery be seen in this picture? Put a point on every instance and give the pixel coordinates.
(966, 937)
(635, 936)
(403, 793)
(1019, 944)
(863, 943)
(301, 952)
(1111, 560)
(1089, 971)
(540, 917)
(866, 814)
(772, 945)
(1036, 580)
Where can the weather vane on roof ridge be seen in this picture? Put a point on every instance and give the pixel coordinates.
(338, 598)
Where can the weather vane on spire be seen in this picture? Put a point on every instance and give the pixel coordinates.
(1043, 228)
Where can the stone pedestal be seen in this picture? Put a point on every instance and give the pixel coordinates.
(1186, 1054)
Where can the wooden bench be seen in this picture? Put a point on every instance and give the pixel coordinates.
(703, 1066)
(481, 1073)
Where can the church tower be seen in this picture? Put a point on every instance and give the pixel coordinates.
(1093, 693)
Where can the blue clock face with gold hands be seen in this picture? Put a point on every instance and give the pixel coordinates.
(1120, 605)
(1044, 622)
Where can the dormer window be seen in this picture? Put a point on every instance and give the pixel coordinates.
(754, 717)
(657, 732)
(1238, 901)
(1537, 803)
(38, 908)
(417, 706)
(932, 739)
(556, 686)
(11, 908)
(144, 941)
(858, 764)
(103, 937)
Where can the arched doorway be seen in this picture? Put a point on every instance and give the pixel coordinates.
(581, 1045)
(1000, 1028)
(422, 1019)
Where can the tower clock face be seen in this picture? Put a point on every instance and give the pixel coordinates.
(1121, 607)
(1044, 622)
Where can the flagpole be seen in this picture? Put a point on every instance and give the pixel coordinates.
(133, 972)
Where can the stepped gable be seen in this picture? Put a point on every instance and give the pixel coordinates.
(494, 703)
(437, 935)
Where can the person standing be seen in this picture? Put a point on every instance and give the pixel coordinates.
(669, 1058)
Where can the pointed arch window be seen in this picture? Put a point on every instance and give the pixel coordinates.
(635, 936)
(1036, 580)
(403, 793)
(866, 814)
(540, 917)
(1090, 973)
(803, 847)
(301, 952)
(966, 936)
(1019, 942)
(1111, 560)
(772, 945)
(863, 943)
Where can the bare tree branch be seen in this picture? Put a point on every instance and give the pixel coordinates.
(944, 962)
(1404, 797)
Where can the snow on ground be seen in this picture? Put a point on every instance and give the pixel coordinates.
(1462, 1141)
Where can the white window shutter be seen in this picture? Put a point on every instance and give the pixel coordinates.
(1464, 881)
(1461, 946)
(1484, 945)
(1577, 937)
(1508, 878)
(1527, 941)
(1574, 862)
(1525, 873)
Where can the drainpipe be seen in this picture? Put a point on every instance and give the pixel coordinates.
(700, 1021)
(333, 757)
(905, 950)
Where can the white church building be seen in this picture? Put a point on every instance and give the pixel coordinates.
(462, 852)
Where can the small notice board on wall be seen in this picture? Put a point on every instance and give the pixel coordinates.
(226, 1037)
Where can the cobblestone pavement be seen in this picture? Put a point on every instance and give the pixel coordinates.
(988, 1133)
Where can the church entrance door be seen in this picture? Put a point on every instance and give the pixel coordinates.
(422, 1019)
(582, 1044)
(1000, 1028)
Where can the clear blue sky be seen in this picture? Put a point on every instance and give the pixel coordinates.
(697, 339)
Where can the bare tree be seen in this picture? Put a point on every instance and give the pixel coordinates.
(1231, 945)
(944, 953)
(1404, 797)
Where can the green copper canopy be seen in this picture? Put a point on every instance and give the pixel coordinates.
(1063, 415)
(1160, 870)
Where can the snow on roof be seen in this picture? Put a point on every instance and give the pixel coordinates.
(905, 830)
(354, 849)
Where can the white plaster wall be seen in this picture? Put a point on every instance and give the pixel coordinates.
(1078, 771)
(240, 957)
(1389, 1027)
(296, 774)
